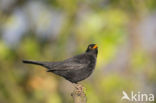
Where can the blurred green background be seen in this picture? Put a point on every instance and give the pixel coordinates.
(52, 30)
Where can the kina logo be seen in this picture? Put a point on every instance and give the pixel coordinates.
(139, 97)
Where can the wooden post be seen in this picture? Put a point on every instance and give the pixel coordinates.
(78, 95)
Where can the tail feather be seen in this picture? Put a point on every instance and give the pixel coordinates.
(48, 65)
(33, 62)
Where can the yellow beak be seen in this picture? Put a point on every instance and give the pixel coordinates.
(95, 46)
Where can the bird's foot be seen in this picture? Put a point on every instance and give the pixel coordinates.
(78, 89)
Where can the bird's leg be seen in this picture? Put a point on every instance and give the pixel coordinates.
(80, 87)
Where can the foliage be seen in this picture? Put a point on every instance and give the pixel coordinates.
(53, 30)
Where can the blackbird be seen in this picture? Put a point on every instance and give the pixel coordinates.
(74, 69)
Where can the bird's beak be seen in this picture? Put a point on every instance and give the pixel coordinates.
(95, 46)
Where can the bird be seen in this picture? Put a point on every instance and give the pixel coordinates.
(74, 69)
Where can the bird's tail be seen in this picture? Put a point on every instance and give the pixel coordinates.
(34, 62)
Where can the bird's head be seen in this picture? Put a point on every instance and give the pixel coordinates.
(92, 48)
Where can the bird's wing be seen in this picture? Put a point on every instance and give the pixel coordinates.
(77, 62)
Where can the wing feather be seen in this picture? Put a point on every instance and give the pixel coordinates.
(77, 62)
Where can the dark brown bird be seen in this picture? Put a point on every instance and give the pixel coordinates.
(74, 69)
